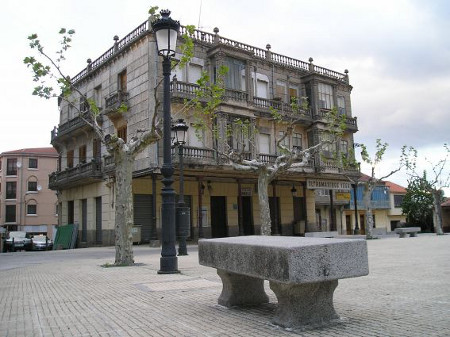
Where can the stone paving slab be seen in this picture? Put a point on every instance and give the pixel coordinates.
(68, 293)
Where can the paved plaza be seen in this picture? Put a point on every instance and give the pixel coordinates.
(69, 293)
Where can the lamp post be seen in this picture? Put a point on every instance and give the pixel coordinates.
(182, 213)
(355, 197)
(166, 32)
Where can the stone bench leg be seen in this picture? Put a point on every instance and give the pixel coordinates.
(304, 304)
(241, 290)
(413, 234)
(402, 235)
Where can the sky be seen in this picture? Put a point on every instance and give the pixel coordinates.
(397, 53)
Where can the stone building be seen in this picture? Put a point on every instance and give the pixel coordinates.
(26, 202)
(223, 201)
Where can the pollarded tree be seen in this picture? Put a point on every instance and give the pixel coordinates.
(417, 203)
(242, 132)
(48, 73)
(437, 178)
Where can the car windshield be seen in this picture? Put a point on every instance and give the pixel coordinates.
(39, 238)
(17, 234)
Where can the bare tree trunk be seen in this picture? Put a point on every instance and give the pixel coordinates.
(369, 215)
(124, 208)
(264, 211)
(437, 219)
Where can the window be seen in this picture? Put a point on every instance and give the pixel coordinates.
(264, 143)
(11, 167)
(31, 209)
(123, 81)
(285, 142)
(328, 149)
(32, 186)
(344, 148)
(341, 105)
(240, 134)
(82, 154)
(325, 96)
(122, 133)
(10, 215)
(398, 200)
(194, 73)
(293, 94)
(11, 190)
(235, 77)
(280, 92)
(97, 149)
(33, 163)
(98, 96)
(84, 106)
(297, 141)
(262, 88)
(70, 159)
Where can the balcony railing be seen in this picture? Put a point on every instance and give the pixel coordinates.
(375, 204)
(113, 101)
(195, 155)
(84, 173)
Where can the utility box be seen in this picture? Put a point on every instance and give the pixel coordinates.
(136, 232)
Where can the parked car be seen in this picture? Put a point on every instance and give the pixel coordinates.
(41, 242)
(17, 240)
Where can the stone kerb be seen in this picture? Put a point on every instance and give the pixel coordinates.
(303, 273)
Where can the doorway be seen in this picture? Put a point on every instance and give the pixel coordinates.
(348, 224)
(247, 216)
(219, 217)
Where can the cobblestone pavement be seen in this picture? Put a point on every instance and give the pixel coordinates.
(68, 293)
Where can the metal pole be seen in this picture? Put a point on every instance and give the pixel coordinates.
(182, 248)
(168, 260)
(355, 198)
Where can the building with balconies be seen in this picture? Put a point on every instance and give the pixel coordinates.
(26, 202)
(386, 203)
(223, 201)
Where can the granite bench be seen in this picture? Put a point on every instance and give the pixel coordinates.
(403, 231)
(302, 272)
(331, 234)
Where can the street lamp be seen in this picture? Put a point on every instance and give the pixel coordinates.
(166, 33)
(182, 214)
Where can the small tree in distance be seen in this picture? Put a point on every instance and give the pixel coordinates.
(417, 203)
(437, 178)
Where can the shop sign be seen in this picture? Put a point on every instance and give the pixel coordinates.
(246, 191)
(322, 184)
(342, 196)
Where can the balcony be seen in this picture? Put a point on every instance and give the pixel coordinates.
(115, 100)
(195, 156)
(375, 204)
(351, 122)
(73, 127)
(82, 174)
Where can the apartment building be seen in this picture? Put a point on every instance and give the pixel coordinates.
(223, 201)
(26, 202)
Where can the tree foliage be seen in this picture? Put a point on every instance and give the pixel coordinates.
(437, 177)
(417, 203)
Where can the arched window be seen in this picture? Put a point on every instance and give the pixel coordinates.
(32, 207)
(32, 184)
